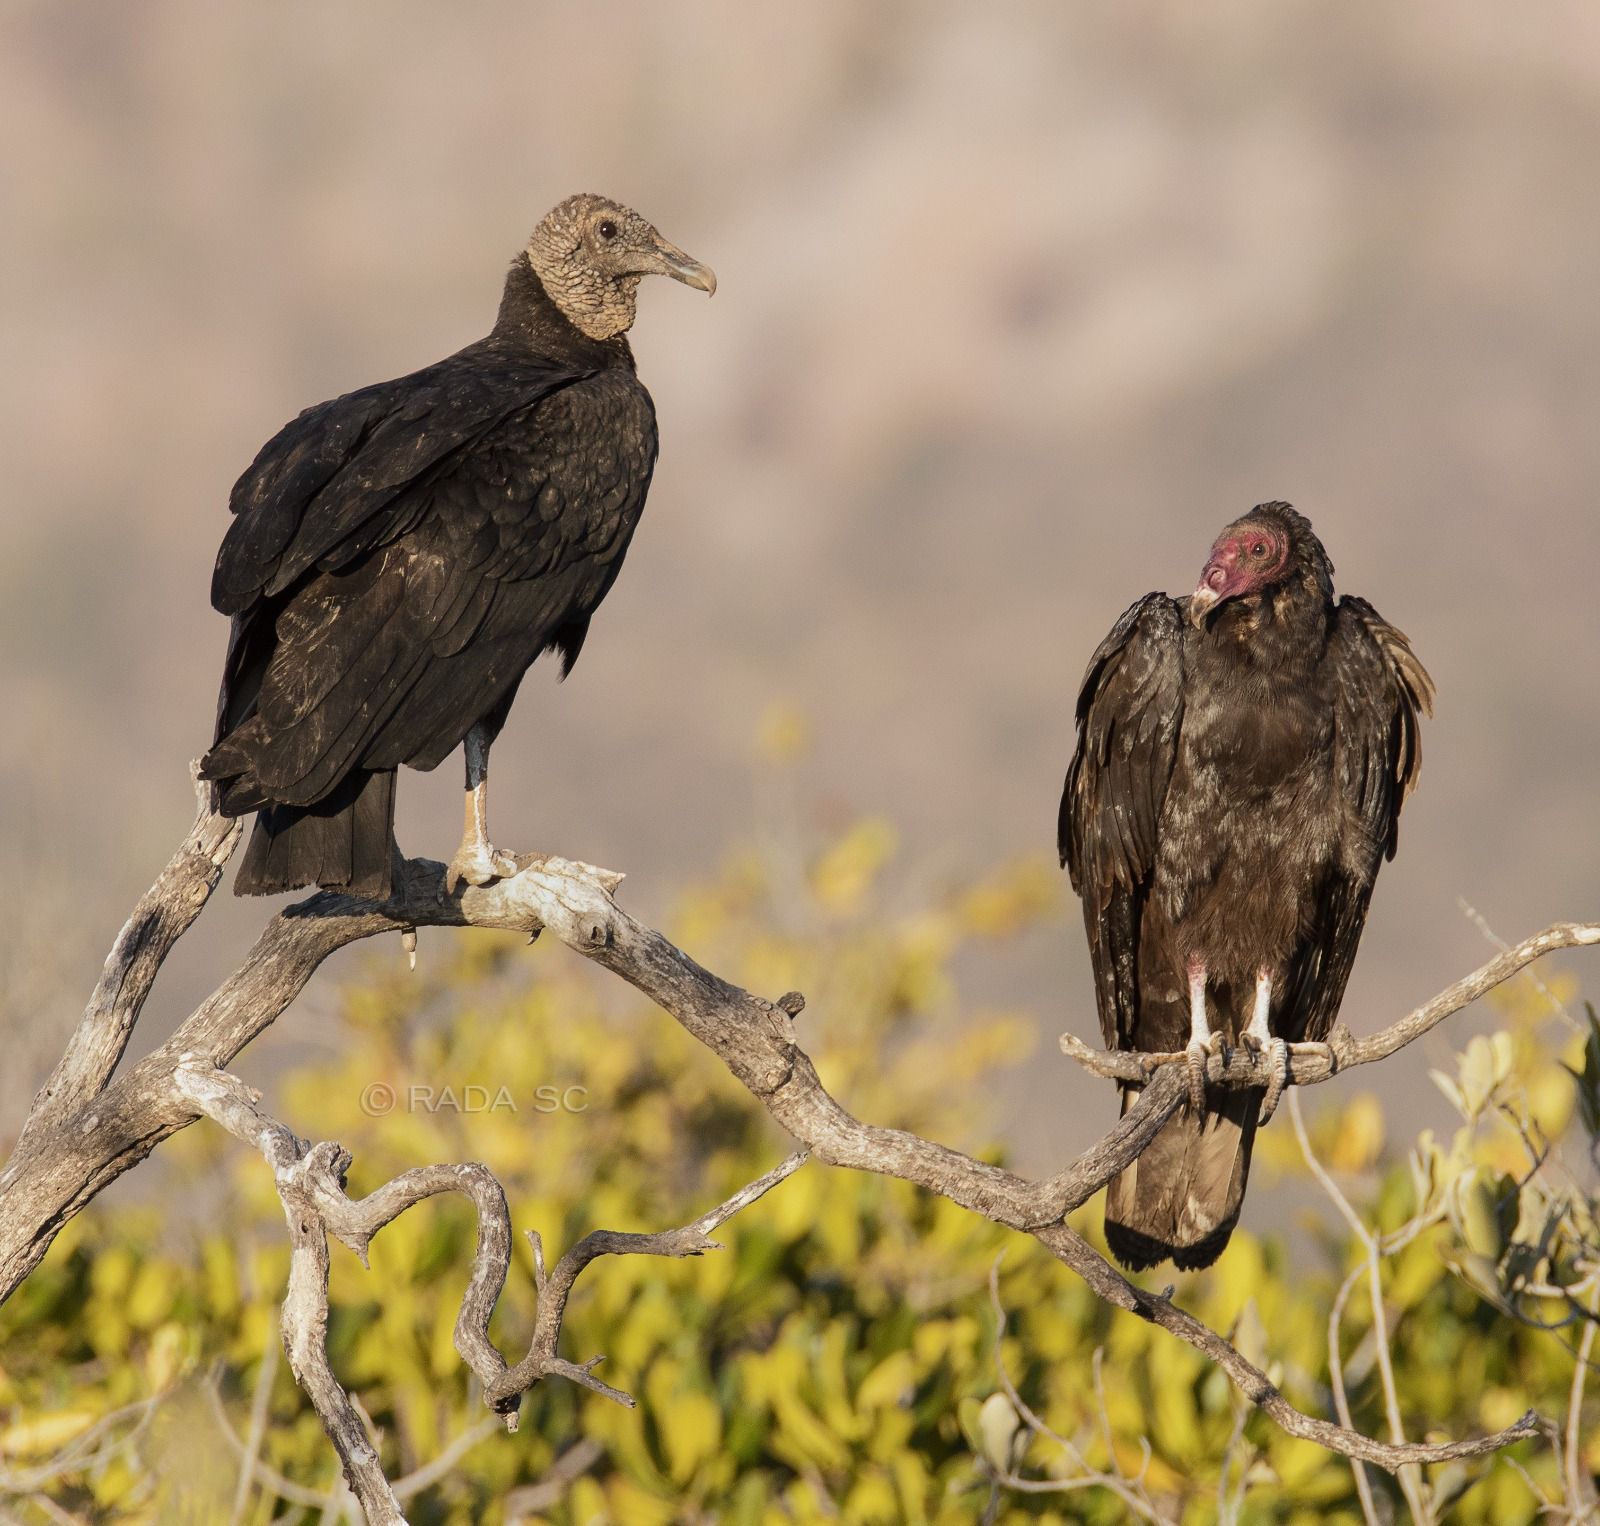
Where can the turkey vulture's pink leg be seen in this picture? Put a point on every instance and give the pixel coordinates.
(1203, 1043)
(1259, 1035)
(477, 860)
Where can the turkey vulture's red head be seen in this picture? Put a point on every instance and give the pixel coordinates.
(1272, 546)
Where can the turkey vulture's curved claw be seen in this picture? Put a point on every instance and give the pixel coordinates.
(1198, 1052)
(1278, 1069)
(1197, 1076)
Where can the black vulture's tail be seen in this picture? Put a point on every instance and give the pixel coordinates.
(344, 842)
(1181, 1198)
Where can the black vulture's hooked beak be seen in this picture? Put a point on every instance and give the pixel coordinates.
(669, 260)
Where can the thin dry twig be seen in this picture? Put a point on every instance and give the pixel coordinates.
(1131, 1495)
(1579, 1488)
(1409, 1478)
(257, 1470)
(570, 1466)
(1310, 1064)
(554, 1287)
(1341, 1398)
(259, 1403)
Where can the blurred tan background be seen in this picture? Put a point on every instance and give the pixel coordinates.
(1019, 304)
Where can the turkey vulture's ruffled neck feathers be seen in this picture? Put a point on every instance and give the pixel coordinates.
(1266, 593)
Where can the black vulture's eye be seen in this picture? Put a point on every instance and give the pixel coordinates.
(608, 229)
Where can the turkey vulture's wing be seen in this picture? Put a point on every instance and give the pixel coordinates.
(340, 479)
(1379, 691)
(505, 550)
(1129, 711)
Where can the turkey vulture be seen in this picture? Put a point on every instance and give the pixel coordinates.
(1242, 758)
(400, 556)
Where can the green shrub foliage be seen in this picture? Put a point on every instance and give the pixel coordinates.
(838, 1360)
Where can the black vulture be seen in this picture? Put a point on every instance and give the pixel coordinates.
(1243, 754)
(399, 556)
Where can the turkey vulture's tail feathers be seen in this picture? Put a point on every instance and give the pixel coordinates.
(1181, 1198)
(344, 842)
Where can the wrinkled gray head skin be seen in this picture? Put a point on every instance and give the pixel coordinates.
(590, 254)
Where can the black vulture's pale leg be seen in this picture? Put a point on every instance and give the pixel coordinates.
(477, 860)
(1203, 1043)
(1261, 1038)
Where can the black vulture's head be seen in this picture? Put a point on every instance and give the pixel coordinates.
(590, 255)
(1272, 547)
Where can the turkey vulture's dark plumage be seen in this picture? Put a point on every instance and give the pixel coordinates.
(1242, 758)
(400, 555)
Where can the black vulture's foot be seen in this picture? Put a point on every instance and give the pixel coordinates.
(1277, 1053)
(1199, 1051)
(478, 863)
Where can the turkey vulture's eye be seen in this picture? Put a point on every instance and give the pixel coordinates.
(607, 229)
(1259, 549)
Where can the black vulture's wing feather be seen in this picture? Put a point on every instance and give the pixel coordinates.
(1380, 690)
(503, 551)
(345, 475)
(1130, 708)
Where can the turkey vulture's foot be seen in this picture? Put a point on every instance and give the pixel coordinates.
(1260, 1038)
(1203, 1043)
(1196, 1056)
(1277, 1053)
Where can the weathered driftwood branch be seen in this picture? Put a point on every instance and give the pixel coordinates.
(164, 913)
(307, 1175)
(554, 1287)
(310, 1179)
(88, 1128)
(1311, 1063)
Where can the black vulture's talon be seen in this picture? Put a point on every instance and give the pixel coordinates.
(478, 864)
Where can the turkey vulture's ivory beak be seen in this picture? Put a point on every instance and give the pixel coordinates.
(672, 261)
(1208, 593)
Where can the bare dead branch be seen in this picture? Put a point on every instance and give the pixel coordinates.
(163, 914)
(87, 1128)
(295, 1167)
(310, 1180)
(1311, 1063)
(253, 1469)
(1068, 1246)
(555, 1287)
